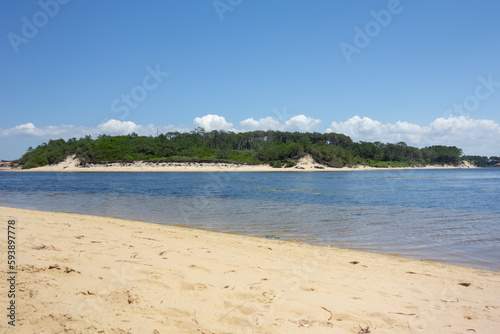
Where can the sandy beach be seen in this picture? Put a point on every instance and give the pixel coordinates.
(89, 274)
(304, 164)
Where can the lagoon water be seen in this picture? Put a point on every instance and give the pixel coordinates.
(451, 216)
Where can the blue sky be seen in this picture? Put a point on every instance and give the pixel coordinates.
(419, 71)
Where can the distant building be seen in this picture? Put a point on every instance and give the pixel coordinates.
(7, 164)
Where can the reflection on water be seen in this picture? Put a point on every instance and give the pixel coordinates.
(449, 216)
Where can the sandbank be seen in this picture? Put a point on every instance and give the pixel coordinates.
(305, 164)
(88, 274)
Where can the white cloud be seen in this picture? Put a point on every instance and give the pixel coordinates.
(114, 126)
(29, 129)
(213, 122)
(302, 123)
(297, 123)
(473, 136)
(268, 123)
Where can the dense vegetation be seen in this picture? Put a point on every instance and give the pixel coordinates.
(482, 161)
(274, 147)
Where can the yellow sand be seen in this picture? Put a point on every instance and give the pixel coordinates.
(305, 164)
(88, 274)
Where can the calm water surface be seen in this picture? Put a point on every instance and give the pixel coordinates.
(451, 216)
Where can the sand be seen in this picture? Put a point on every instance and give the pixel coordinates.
(89, 274)
(304, 164)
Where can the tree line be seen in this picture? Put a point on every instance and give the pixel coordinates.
(256, 147)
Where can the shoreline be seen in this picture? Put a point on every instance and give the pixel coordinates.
(84, 273)
(480, 265)
(305, 164)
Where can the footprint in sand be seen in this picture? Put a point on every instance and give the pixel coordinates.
(67, 270)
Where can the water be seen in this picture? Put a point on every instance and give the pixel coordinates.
(451, 216)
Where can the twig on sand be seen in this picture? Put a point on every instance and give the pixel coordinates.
(195, 317)
(364, 330)
(237, 307)
(402, 313)
(331, 314)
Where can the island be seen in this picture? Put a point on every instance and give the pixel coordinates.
(275, 150)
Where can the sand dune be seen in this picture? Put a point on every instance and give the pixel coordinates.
(88, 274)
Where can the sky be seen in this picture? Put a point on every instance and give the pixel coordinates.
(422, 72)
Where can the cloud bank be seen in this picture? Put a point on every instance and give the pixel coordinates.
(110, 127)
(474, 136)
